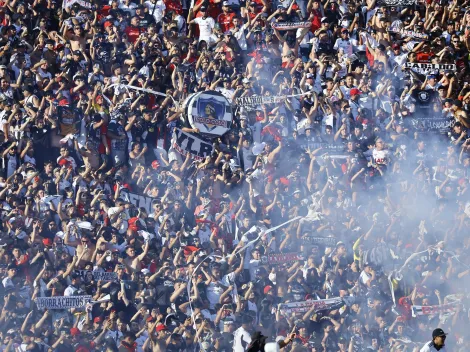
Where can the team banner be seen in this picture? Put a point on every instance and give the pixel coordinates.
(281, 258)
(209, 112)
(287, 26)
(89, 275)
(428, 67)
(407, 33)
(68, 3)
(259, 100)
(391, 3)
(433, 310)
(186, 143)
(126, 87)
(431, 124)
(329, 148)
(140, 201)
(305, 306)
(324, 241)
(62, 302)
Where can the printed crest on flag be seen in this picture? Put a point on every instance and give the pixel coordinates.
(210, 112)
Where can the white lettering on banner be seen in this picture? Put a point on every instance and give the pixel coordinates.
(281, 258)
(186, 143)
(285, 26)
(407, 33)
(430, 67)
(396, 3)
(87, 275)
(211, 121)
(247, 101)
(440, 124)
(62, 302)
(68, 3)
(305, 306)
(141, 201)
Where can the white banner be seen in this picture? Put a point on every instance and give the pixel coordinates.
(186, 143)
(433, 310)
(89, 275)
(145, 90)
(325, 241)
(396, 3)
(259, 100)
(425, 67)
(407, 33)
(68, 3)
(281, 258)
(62, 302)
(305, 306)
(287, 26)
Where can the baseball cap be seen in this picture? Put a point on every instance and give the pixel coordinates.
(97, 320)
(267, 288)
(47, 242)
(354, 91)
(324, 20)
(438, 332)
(161, 327)
(225, 3)
(344, 30)
(309, 75)
(395, 46)
(457, 103)
(74, 332)
(202, 8)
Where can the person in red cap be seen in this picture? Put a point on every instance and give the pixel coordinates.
(162, 331)
(354, 102)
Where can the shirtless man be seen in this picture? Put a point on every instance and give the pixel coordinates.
(82, 244)
(133, 261)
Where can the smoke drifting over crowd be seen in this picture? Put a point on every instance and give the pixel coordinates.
(234, 176)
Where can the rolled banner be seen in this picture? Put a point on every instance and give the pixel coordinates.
(436, 309)
(287, 26)
(127, 86)
(260, 100)
(305, 306)
(86, 225)
(393, 3)
(281, 258)
(89, 275)
(325, 241)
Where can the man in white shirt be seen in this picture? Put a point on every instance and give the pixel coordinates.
(8, 281)
(345, 43)
(367, 275)
(72, 289)
(206, 26)
(437, 343)
(242, 336)
(156, 8)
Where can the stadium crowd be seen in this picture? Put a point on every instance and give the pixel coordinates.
(234, 175)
